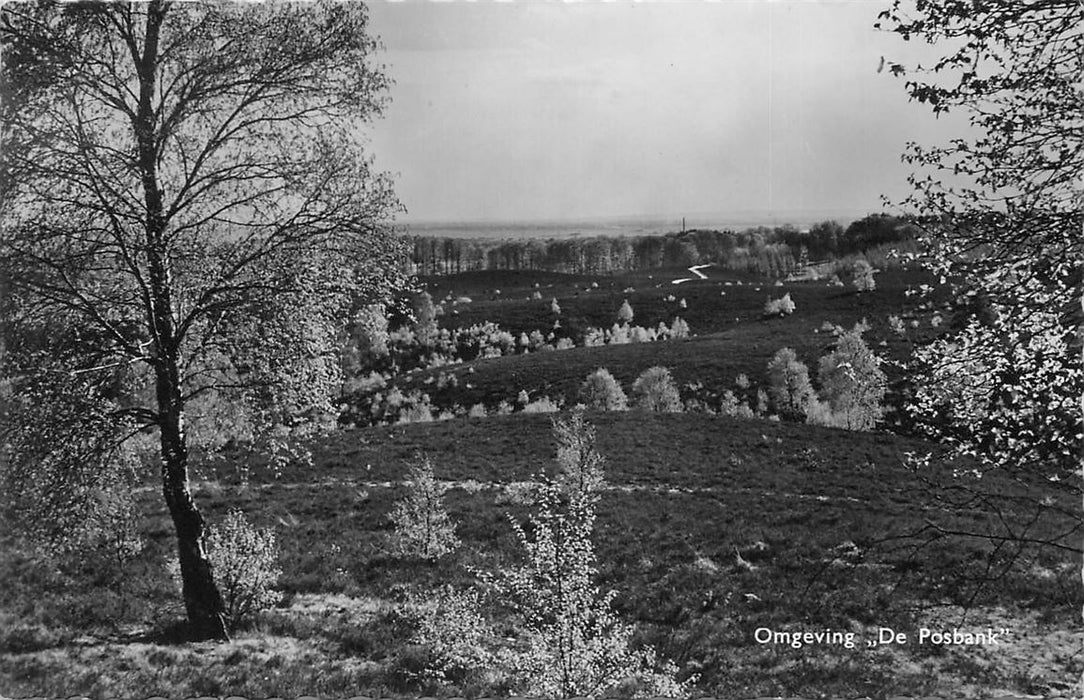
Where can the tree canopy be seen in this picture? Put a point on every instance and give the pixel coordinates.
(1004, 219)
(188, 211)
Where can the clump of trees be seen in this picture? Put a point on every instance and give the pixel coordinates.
(774, 252)
(784, 306)
(852, 385)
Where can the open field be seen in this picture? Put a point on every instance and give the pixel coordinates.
(725, 313)
(710, 528)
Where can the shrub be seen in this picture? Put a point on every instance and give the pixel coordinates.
(820, 413)
(679, 328)
(762, 402)
(619, 335)
(638, 334)
(654, 390)
(555, 307)
(579, 465)
(565, 344)
(542, 405)
(779, 307)
(573, 644)
(245, 564)
(420, 412)
(863, 276)
(478, 410)
(624, 314)
(600, 391)
(730, 406)
(425, 319)
(454, 634)
(852, 382)
(789, 387)
(594, 337)
(422, 526)
(367, 341)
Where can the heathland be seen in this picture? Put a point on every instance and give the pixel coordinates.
(727, 531)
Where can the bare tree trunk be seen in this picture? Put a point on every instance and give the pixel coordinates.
(202, 599)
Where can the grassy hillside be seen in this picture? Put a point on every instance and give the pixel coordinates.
(710, 529)
(732, 335)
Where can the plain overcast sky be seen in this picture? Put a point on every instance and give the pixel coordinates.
(524, 111)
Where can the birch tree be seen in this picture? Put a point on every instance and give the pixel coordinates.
(187, 202)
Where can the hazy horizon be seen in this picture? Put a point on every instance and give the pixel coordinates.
(569, 111)
(618, 225)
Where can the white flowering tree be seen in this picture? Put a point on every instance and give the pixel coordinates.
(1002, 216)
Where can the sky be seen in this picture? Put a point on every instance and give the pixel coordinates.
(528, 111)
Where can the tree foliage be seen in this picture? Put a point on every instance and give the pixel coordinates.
(185, 192)
(655, 390)
(601, 391)
(574, 644)
(852, 381)
(422, 525)
(1004, 215)
(245, 560)
(789, 388)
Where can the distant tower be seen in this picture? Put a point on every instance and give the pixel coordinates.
(683, 224)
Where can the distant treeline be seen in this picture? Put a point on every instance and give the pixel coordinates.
(772, 251)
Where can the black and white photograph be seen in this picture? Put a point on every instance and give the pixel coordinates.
(542, 349)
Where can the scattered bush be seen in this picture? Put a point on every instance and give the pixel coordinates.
(245, 564)
(564, 344)
(600, 391)
(542, 405)
(455, 635)
(654, 390)
(638, 334)
(422, 525)
(679, 329)
(783, 306)
(730, 406)
(555, 307)
(863, 276)
(624, 314)
(594, 337)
